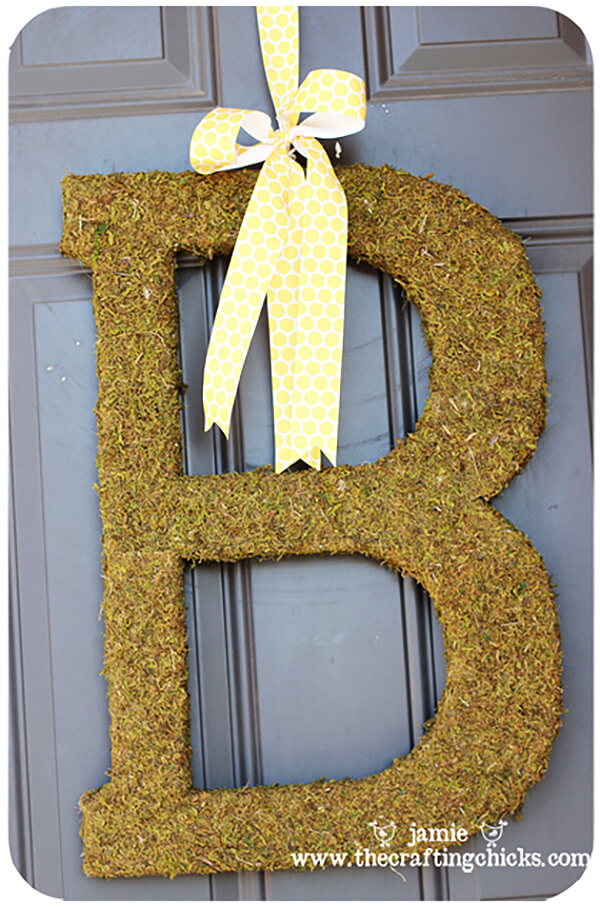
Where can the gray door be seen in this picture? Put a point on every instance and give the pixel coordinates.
(305, 668)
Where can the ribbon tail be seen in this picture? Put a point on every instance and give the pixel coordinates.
(321, 294)
(253, 262)
(282, 307)
(294, 341)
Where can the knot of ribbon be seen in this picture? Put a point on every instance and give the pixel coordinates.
(291, 246)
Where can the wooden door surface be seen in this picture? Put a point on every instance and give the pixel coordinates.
(304, 668)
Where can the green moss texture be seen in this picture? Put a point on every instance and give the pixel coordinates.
(422, 510)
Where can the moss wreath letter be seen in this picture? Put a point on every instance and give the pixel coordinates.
(422, 510)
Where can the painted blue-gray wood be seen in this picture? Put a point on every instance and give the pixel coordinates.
(302, 668)
(550, 502)
(60, 36)
(90, 62)
(457, 25)
(65, 389)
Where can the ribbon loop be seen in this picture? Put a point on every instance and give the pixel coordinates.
(337, 101)
(291, 246)
(214, 143)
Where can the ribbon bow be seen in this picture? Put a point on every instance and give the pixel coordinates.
(291, 245)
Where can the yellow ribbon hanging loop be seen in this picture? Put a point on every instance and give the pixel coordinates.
(291, 246)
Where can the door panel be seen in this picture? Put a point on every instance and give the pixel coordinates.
(304, 668)
(549, 502)
(431, 52)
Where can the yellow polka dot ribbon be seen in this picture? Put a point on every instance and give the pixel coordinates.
(291, 246)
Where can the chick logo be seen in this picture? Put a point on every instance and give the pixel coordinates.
(492, 833)
(384, 833)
